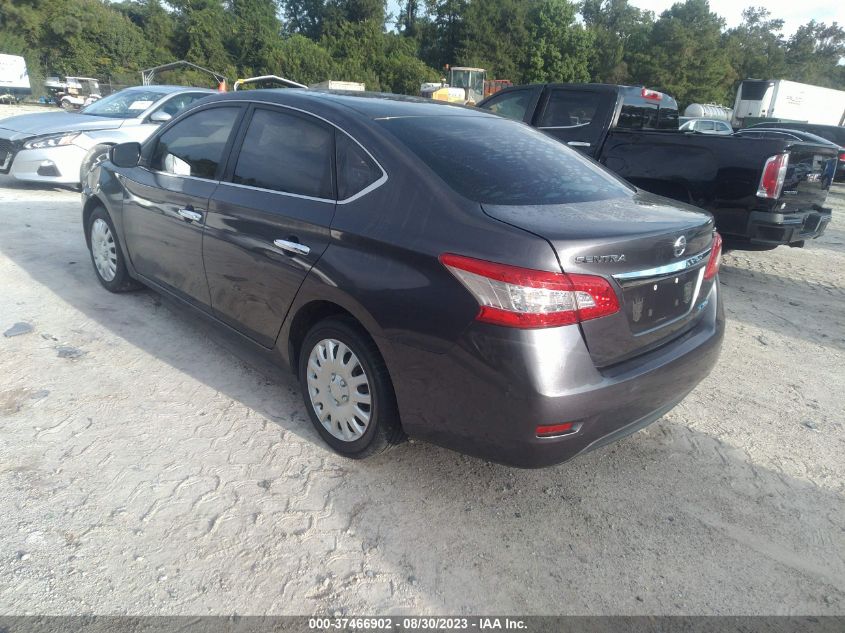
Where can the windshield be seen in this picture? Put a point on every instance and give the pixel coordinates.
(494, 160)
(125, 104)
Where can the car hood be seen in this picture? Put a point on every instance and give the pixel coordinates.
(25, 125)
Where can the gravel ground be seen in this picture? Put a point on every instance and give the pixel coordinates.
(148, 465)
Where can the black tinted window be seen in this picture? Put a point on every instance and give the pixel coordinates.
(194, 146)
(638, 117)
(511, 104)
(497, 161)
(355, 169)
(285, 152)
(570, 109)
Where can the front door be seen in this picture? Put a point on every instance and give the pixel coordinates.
(166, 201)
(268, 221)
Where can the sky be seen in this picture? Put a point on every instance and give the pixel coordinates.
(793, 13)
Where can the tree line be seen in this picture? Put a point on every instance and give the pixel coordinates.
(686, 51)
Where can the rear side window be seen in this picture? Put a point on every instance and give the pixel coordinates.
(288, 153)
(496, 161)
(510, 104)
(194, 146)
(569, 108)
(355, 169)
(180, 102)
(638, 117)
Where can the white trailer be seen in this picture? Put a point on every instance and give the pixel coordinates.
(788, 100)
(339, 85)
(14, 78)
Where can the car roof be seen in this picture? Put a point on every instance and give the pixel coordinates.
(166, 89)
(373, 105)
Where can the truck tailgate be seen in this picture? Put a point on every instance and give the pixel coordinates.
(808, 176)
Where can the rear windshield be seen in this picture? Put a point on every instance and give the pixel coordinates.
(494, 160)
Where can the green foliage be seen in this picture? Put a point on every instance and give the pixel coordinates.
(688, 59)
(558, 49)
(686, 51)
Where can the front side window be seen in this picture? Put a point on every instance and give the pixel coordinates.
(288, 153)
(355, 169)
(570, 109)
(180, 102)
(511, 104)
(194, 146)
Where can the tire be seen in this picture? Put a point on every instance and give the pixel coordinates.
(106, 254)
(94, 157)
(335, 355)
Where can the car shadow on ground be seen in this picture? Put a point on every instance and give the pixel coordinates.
(672, 519)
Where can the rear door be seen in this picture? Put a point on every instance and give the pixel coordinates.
(166, 200)
(576, 115)
(268, 221)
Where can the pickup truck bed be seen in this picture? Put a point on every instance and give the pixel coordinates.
(633, 132)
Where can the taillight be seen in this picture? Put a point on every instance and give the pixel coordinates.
(527, 298)
(774, 172)
(651, 94)
(842, 156)
(715, 258)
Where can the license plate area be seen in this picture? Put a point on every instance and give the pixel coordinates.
(658, 301)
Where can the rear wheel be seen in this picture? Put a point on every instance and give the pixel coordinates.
(106, 255)
(347, 390)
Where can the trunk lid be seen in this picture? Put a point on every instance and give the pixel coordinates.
(808, 176)
(651, 249)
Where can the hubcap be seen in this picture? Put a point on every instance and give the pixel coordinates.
(339, 390)
(103, 249)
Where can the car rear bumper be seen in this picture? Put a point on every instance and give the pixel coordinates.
(57, 165)
(487, 395)
(769, 228)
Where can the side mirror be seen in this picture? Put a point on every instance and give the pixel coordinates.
(160, 116)
(125, 154)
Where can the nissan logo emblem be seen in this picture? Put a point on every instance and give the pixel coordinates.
(679, 246)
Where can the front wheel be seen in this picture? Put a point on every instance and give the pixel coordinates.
(347, 389)
(106, 255)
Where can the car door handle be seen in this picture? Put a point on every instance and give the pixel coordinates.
(578, 144)
(292, 247)
(190, 215)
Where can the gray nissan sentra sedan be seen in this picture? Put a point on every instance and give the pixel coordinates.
(425, 269)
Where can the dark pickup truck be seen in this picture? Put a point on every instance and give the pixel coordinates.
(762, 192)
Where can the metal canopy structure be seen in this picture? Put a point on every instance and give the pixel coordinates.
(251, 80)
(148, 75)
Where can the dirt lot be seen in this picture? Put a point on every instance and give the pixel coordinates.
(150, 466)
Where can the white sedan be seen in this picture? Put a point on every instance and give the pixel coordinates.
(61, 147)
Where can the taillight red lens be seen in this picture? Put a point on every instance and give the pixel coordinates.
(525, 298)
(774, 173)
(715, 258)
(842, 156)
(651, 94)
